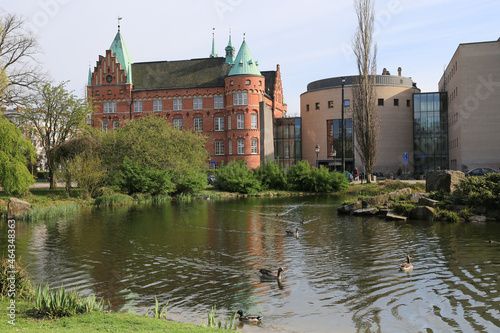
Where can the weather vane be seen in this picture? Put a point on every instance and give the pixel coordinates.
(119, 18)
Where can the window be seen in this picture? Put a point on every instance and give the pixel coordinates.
(253, 118)
(230, 143)
(380, 102)
(240, 98)
(198, 124)
(287, 151)
(219, 147)
(104, 126)
(229, 122)
(218, 123)
(241, 146)
(197, 103)
(317, 106)
(218, 102)
(178, 123)
(248, 82)
(240, 121)
(109, 107)
(157, 105)
(287, 132)
(116, 124)
(177, 104)
(396, 102)
(408, 103)
(254, 145)
(347, 102)
(231, 83)
(330, 104)
(260, 83)
(138, 106)
(307, 107)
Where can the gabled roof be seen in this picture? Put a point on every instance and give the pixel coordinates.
(205, 72)
(122, 55)
(243, 63)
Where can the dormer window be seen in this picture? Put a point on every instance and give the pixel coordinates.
(248, 82)
(250, 62)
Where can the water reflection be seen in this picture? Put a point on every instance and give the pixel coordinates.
(342, 273)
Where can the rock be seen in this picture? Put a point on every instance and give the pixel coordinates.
(347, 209)
(396, 194)
(428, 202)
(415, 197)
(378, 200)
(477, 218)
(443, 180)
(365, 204)
(383, 212)
(423, 213)
(17, 208)
(365, 211)
(394, 217)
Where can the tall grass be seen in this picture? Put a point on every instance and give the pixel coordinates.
(229, 324)
(157, 312)
(41, 213)
(113, 200)
(60, 303)
(12, 270)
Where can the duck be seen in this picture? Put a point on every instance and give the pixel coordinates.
(249, 317)
(406, 266)
(293, 233)
(267, 274)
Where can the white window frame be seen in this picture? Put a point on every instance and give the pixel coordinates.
(105, 126)
(137, 106)
(157, 105)
(230, 147)
(241, 146)
(219, 148)
(109, 107)
(197, 103)
(218, 124)
(177, 103)
(240, 121)
(254, 146)
(240, 98)
(253, 118)
(178, 123)
(229, 122)
(198, 124)
(218, 102)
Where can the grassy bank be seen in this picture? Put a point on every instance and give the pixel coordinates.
(93, 322)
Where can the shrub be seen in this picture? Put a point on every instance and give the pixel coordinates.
(23, 286)
(60, 303)
(301, 177)
(479, 191)
(272, 176)
(190, 182)
(446, 215)
(404, 208)
(234, 177)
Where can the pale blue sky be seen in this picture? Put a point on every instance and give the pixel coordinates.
(311, 40)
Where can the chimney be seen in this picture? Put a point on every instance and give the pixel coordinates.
(399, 71)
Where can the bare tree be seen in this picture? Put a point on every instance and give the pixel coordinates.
(365, 114)
(18, 50)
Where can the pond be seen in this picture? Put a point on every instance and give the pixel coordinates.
(341, 272)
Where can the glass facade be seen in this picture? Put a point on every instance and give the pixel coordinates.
(335, 144)
(287, 140)
(430, 132)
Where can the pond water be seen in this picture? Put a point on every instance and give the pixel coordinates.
(341, 272)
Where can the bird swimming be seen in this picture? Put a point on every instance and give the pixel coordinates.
(406, 266)
(249, 317)
(267, 274)
(293, 233)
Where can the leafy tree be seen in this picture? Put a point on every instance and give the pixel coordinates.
(272, 176)
(87, 171)
(365, 114)
(56, 115)
(154, 144)
(234, 177)
(15, 152)
(136, 177)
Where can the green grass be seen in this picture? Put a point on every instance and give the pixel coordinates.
(93, 322)
(113, 200)
(58, 210)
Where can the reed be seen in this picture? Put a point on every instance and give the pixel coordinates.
(213, 322)
(61, 303)
(157, 312)
(50, 212)
(113, 200)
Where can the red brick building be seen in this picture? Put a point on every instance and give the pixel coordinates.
(226, 98)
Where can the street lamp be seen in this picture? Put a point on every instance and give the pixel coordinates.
(317, 154)
(343, 128)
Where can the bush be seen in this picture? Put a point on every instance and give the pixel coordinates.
(404, 208)
(23, 286)
(234, 177)
(302, 177)
(272, 176)
(190, 182)
(299, 176)
(479, 191)
(446, 215)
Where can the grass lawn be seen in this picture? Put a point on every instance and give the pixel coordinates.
(93, 322)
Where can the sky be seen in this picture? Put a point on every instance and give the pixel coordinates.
(310, 40)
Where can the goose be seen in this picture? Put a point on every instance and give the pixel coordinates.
(293, 233)
(249, 317)
(267, 274)
(406, 266)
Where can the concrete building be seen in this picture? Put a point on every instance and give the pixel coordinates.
(228, 99)
(471, 82)
(321, 107)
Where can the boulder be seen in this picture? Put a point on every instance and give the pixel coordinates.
(428, 202)
(415, 197)
(423, 213)
(477, 218)
(396, 194)
(378, 200)
(347, 209)
(16, 208)
(443, 180)
(365, 211)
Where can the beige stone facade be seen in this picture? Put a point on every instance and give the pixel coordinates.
(322, 102)
(472, 82)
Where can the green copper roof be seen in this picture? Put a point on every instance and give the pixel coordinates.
(90, 77)
(244, 63)
(229, 52)
(122, 55)
(214, 54)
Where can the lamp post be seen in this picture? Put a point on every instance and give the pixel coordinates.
(343, 128)
(334, 154)
(317, 154)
